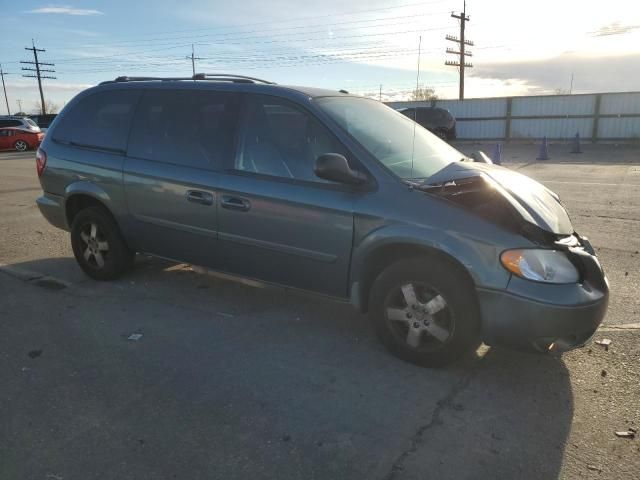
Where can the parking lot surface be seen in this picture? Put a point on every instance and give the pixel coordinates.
(171, 373)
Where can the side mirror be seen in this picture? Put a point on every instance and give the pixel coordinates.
(334, 167)
(481, 157)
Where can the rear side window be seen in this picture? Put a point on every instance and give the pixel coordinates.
(10, 123)
(183, 127)
(428, 115)
(409, 112)
(101, 120)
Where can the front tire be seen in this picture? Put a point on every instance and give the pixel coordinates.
(425, 311)
(98, 245)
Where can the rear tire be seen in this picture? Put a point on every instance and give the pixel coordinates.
(21, 146)
(442, 135)
(98, 245)
(439, 325)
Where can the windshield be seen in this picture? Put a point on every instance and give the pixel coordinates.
(30, 122)
(388, 136)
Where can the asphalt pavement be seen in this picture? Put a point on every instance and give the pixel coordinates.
(169, 373)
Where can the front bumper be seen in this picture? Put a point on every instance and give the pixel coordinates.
(546, 317)
(52, 208)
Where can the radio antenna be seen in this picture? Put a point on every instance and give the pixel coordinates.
(415, 110)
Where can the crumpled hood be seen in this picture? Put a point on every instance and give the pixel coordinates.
(533, 201)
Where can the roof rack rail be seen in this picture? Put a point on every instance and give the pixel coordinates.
(220, 77)
(230, 78)
(126, 78)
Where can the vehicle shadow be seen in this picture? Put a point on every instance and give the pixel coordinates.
(512, 420)
(254, 382)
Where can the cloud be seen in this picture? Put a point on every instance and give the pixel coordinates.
(591, 73)
(615, 28)
(66, 10)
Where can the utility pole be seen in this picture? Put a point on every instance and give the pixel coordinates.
(38, 71)
(461, 52)
(193, 60)
(2, 74)
(380, 94)
(571, 86)
(19, 102)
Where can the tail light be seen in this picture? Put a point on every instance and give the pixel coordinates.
(41, 161)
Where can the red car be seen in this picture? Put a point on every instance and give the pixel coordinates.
(12, 138)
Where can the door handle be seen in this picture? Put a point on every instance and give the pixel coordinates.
(235, 203)
(198, 196)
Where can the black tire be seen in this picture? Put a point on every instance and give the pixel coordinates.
(116, 259)
(442, 135)
(430, 277)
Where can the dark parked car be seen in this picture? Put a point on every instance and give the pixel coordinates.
(437, 120)
(326, 192)
(43, 121)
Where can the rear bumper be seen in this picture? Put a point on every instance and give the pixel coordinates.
(545, 317)
(52, 208)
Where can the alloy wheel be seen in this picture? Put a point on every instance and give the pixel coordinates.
(419, 316)
(94, 245)
(21, 145)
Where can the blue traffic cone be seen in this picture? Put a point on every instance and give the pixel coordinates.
(497, 154)
(544, 150)
(575, 146)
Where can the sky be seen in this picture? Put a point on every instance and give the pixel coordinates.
(369, 47)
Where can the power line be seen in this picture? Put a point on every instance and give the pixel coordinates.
(38, 71)
(279, 29)
(462, 43)
(296, 19)
(255, 40)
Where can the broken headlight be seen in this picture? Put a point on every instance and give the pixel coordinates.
(549, 266)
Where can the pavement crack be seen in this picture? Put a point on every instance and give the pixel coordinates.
(436, 419)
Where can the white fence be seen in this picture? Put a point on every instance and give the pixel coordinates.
(598, 116)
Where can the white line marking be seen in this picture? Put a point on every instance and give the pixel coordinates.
(624, 326)
(592, 183)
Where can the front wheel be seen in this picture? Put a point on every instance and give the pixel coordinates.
(425, 311)
(98, 245)
(21, 146)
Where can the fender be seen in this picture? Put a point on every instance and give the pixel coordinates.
(86, 187)
(479, 258)
(90, 189)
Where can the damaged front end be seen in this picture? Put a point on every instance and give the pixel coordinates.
(560, 304)
(504, 198)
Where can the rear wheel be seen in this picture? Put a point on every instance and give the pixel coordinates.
(441, 134)
(425, 312)
(98, 245)
(20, 145)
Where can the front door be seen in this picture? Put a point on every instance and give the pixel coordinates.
(277, 221)
(178, 139)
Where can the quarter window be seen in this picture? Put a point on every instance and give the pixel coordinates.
(282, 140)
(183, 127)
(10, 123)
(101, 120)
